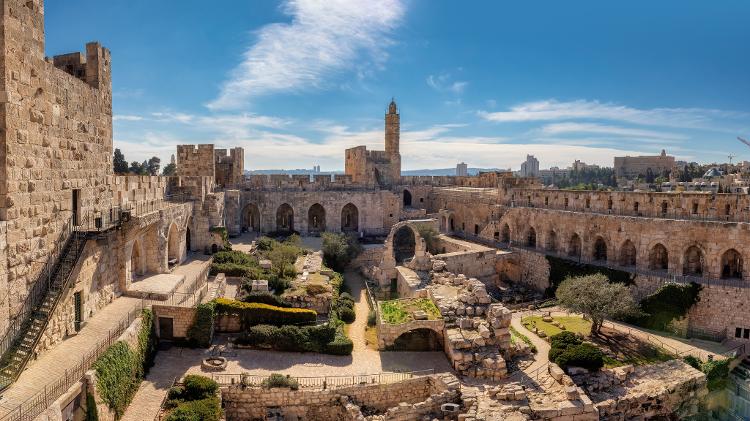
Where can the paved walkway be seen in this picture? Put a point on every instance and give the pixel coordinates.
(52, 364)
(361, 309)
(542, 347)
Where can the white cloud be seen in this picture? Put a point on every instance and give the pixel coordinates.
(324, 37)
(570, 127)
(549, 110)
(124, 117)
(443, 83)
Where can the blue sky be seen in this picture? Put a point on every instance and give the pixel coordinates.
(486, 82)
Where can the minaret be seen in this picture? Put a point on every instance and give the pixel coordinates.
(392, 129)
(392, 139)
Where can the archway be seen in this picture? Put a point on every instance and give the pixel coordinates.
(285, 218)
(552, 241)
(505, 234)
(658, 258)
(316, 218)
(407, 198)
(251, 218)
(173, 245)
(531, 237)
(694, 262)
(421, 339)
(188, 248)
(349, 218)
(600, 250)
(574, 246)
(137, 264)
(627, 254)
(404, 244)
(731, 264)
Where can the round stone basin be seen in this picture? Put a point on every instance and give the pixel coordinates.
(214, 363)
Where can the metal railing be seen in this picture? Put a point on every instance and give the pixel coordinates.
(741, 215)
(321, 383)
(29, 409)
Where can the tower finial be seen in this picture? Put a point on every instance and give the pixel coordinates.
(392, 107)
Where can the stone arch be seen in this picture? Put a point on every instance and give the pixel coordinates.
(404, 244)
(421, 339)
(658, 257)
(574, 246)
(137, 261)
(251, 218)
(407, 198)
(316, 218)
(599, 252)
(628, 254)
(174, 254)
(505, 233)
(349, 218)
(731, 264)
(551, 241)
(285, 218)
(531, 237)
(694, 262)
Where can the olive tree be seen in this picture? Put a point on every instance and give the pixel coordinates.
(597, 298)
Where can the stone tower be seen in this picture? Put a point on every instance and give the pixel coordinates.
(392, 139)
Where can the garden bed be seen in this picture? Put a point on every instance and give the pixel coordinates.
(402, 311)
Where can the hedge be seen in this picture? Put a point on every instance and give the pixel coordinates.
(195, 400)
(208, 409)
(120, 368)
(280, 380)
(258, 313)
(289, 338)
(265, 298)
(200, 333)
(567, 350)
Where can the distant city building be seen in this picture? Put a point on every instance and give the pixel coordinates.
(172, 161)
(553, 175)
(462, 170)
(530, 168)
(643, 166)
(580, 166)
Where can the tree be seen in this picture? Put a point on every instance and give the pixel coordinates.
(136, 168)
(597, 298)
(169, 170)
(119, 163)
(339, 250)
(152, 166)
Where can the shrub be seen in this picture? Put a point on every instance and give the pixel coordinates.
(670, 302)
(340, 346)
(315, 289)
(345, 296)
(236, 257)
(693, 362)
(289, 338)
(430, 236)
(176, 393)
(265, 298)
(198, 387)
(258, 313)
(583, 355)
(346, 314)
(265, 243)
(564, 339)
(201, 332)
(339, 250)
(717, 374)
(208, 409)
(372, 319)
(280, 380)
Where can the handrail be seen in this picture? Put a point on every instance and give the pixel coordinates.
(321, 382)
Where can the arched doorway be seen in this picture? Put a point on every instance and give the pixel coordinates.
(418, 340)
(574, 246)
(552, 241)
(505, 234)
(349, 218)
(404, 244)
(173, 245)
(531, 237)
(407, 198)
(600, 250)
(137, 264)
(285, 218)
(658, 258)
(627, 254)
(188, 247)
(251, 218)
(316, 218)
(731, 264)
(694, 262)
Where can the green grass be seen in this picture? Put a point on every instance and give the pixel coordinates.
(516, 335)
(572, 323)
(400, 311)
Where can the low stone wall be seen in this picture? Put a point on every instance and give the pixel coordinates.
(339, 404)
(371, 255)
(182, 319)
(227, 323)
(320, 303)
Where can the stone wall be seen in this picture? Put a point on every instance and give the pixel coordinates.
(182, 319)
(324, 405)
(524, 267)
(195, 160)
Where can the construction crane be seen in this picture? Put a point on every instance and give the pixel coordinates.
(743, 141)
(730, 156)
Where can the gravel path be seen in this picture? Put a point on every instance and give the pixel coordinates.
(361, 309)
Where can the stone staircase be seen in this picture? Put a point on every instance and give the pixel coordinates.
(742, 371)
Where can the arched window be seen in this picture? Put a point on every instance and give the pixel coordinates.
(658, 258)
(574, 246)
(285, 218)
(552, 241)
(627, 254)
(349, 218)
(694, 262)
(531, 237)
(731, 264)
(316, 218)
(600, 249)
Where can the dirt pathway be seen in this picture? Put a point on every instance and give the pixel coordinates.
(355, 282)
